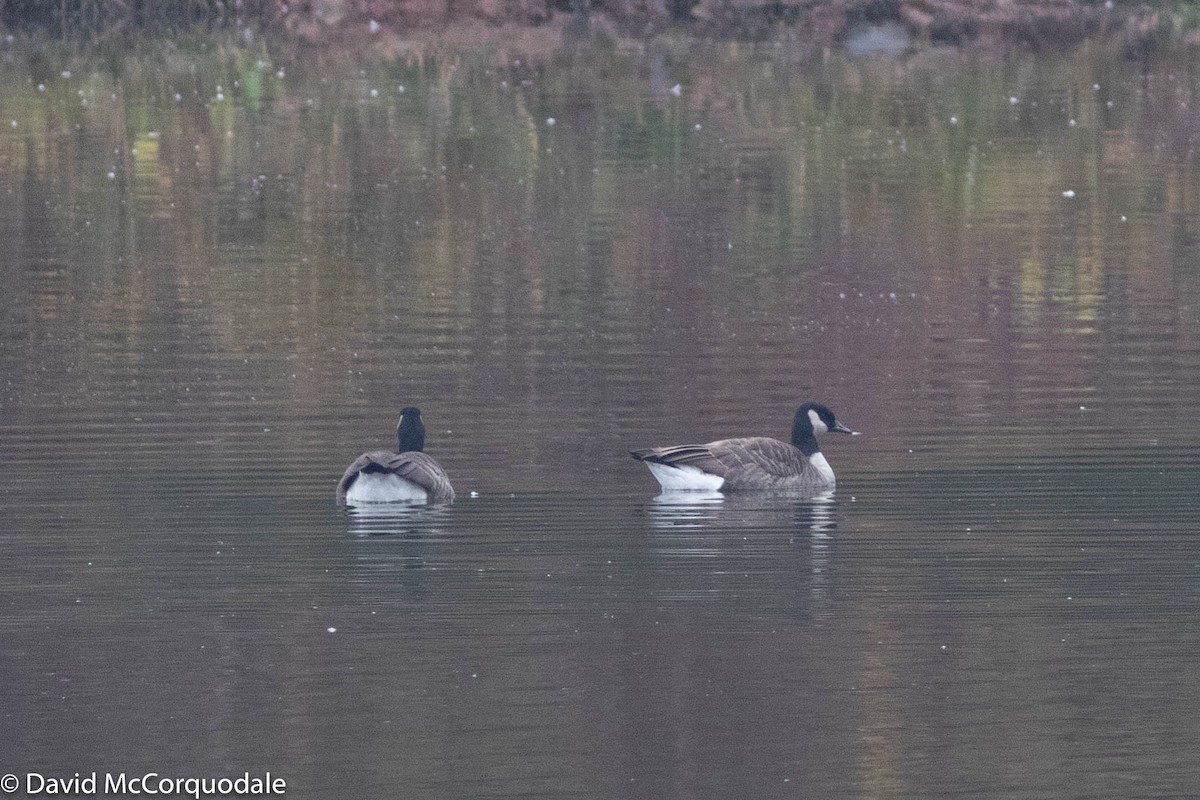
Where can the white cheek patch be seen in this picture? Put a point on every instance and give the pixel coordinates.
(818, 425)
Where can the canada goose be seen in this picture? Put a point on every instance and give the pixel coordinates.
(752, 463)
(407, 475)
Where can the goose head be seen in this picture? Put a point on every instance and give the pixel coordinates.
(811, 419)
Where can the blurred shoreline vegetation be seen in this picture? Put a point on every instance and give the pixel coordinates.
(365, 24)
(263, 193)
(146, 158)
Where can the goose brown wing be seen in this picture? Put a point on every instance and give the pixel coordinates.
(756, 455)
(425, 472)
(414, 466)
(699, 456)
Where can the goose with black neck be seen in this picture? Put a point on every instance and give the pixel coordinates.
(753, 463)
(408, 475)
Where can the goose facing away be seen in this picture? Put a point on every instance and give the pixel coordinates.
(405, 476)
(751, 463)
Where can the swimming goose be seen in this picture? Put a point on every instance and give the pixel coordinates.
(752, 463)
(407, 475)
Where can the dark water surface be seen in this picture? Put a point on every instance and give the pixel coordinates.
(226, 267)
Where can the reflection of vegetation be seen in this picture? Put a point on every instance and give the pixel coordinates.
(276, 196)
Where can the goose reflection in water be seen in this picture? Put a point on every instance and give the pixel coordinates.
(685, 509)
(714, 525)
(414, 526)
(817, 518)
(394, 544)
(692, 509)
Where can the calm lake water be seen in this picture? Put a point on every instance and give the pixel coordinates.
(227, 265)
